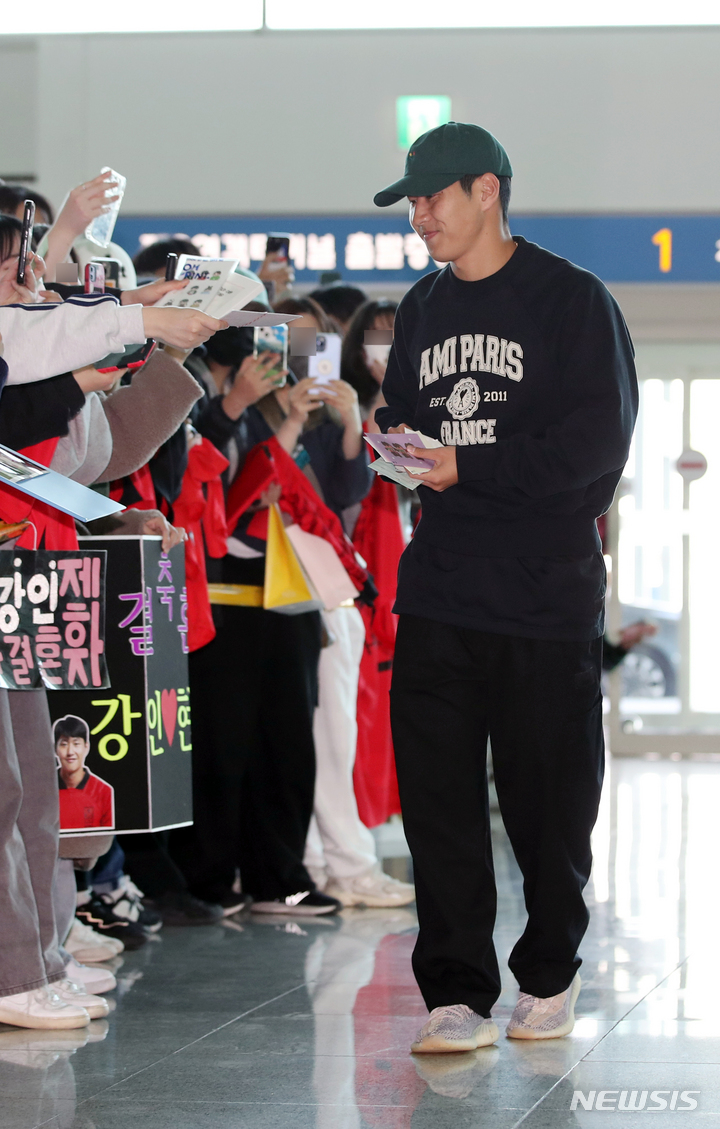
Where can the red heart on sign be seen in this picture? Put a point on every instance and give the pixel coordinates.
(168, 705)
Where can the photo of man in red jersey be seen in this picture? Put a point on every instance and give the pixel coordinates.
(85, 799)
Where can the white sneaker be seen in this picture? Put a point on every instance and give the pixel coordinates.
(95, 980)
(75, 994)
(88, 947)
(42, 1007)
(374, 889)
(454, 1028)
(549, 1018)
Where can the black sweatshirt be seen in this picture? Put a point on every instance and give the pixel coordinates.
(530, 374)
(31, 413)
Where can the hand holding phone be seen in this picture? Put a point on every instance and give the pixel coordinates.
(277, 245)
(85, 203)
(276, 268)
(11, 292)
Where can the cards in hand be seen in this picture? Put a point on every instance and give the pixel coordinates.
(393, 448)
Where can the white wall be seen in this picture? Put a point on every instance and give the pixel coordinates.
(602, 120)
(18, 102)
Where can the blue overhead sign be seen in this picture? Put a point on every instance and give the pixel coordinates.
(383, 248)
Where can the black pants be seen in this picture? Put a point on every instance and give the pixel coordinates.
(540, 703)
(149, 864)
(253, 692)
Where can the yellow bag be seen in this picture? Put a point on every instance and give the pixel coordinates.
(287, 588)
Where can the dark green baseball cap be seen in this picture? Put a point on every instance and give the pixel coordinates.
(441, 156)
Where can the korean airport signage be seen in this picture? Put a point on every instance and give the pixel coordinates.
(382, 247)
(417, 113)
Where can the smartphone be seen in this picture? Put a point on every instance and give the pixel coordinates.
(325, 365)
(25, 240)
(112, 272)
(101, 229)
(278, 244)
(170, 266)
(135, 360)
(272, 339)
(94, 279)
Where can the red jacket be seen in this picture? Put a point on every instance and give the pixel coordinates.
(57, 528)
(200, 509)
(268, 462)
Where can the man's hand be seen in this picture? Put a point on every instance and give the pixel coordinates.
(445, 472)
(152, 293)
(399, 430)
(183, 329)
(157, 525)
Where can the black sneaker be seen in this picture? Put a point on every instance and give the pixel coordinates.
(101, 917)
(178, 907)
(306, 903)
(231, 903)
(127, 902)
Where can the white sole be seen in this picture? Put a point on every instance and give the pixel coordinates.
(95, 1011)
(371, 903)
(98, 987)
(483, 1036)
(559, 1032)
(42, 1023)
(86, 957)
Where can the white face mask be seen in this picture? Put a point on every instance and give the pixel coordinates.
(377, 353)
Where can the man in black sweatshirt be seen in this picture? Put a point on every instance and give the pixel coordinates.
(522, 365)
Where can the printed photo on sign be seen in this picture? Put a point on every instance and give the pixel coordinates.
(85, 799)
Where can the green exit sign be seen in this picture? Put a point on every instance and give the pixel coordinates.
(417, 114)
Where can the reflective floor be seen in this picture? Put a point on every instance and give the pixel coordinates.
(306, 1024)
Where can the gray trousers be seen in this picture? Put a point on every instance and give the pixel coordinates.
(29, 822)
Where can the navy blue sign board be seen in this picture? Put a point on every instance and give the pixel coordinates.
(382, 247)
(139, 726)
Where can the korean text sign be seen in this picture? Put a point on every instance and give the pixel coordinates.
(137, 737)
(52, 620)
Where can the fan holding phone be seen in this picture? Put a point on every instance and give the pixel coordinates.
(276, 272)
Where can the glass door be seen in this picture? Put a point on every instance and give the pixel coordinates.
(664, 548)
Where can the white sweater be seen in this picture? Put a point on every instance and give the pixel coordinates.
(46, 340)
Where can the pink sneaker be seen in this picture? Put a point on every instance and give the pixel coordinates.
(551, 1018)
